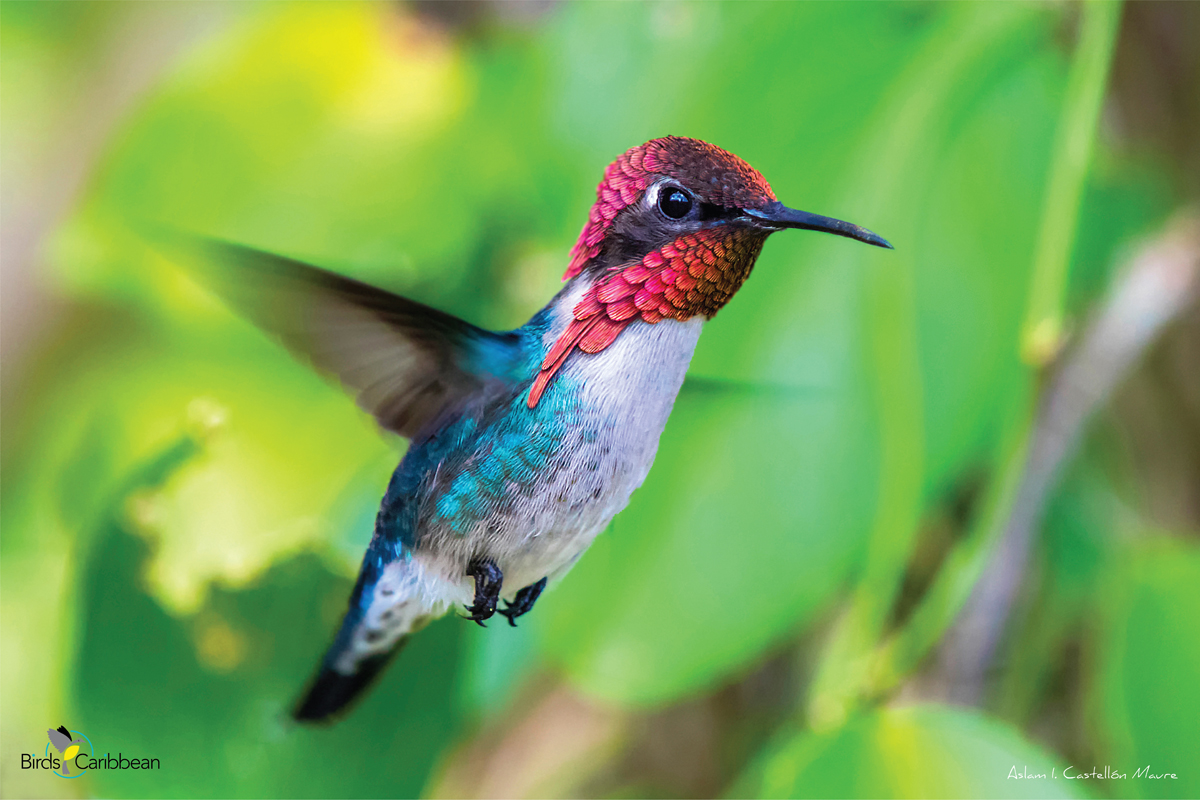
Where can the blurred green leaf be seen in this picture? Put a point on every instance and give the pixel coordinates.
(498, 659)
(1144, 693)
(920, 751)
(208, 694)
(137, 385)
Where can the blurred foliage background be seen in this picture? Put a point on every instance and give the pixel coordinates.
(184, 506)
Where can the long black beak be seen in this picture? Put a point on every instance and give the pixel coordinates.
(776, 216)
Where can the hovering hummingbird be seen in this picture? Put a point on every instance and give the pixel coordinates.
(523, 444)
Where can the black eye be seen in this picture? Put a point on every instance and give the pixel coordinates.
(674, 203)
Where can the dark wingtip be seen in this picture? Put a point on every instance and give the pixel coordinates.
(332, 693)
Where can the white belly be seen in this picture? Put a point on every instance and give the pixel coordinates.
(628, 391)
(626, 395)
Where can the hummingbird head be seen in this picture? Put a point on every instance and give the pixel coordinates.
(683, 220)
(674, 232)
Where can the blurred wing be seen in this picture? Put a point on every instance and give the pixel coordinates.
(407, 363)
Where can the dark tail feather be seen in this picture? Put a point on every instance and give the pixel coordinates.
(333, 693)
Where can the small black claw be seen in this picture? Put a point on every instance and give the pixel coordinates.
(523, 602)
(488, 579)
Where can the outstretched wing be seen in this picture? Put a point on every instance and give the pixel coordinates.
(407, 363)
(60, 740)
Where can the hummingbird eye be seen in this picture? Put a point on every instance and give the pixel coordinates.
(674, 203)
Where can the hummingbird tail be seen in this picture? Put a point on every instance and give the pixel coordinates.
(387, 605)
(332, 692)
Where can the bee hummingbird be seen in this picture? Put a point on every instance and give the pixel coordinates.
(523, 444)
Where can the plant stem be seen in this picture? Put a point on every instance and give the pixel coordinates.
(1042, 334)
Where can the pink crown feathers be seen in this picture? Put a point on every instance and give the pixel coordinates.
(728, 180)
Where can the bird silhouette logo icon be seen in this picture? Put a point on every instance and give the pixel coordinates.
(66, 743)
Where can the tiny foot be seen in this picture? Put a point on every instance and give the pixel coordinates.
(522, 603)
(488, 579)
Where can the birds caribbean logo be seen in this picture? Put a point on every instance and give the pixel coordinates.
(523, 444)
(67, 746)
